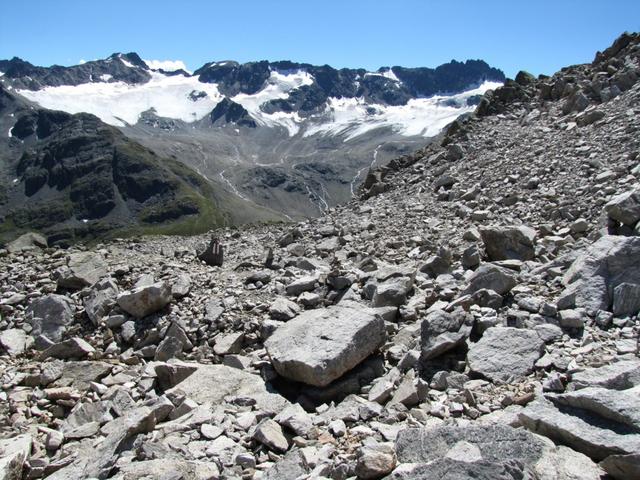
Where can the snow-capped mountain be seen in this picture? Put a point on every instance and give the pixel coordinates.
(291, 136)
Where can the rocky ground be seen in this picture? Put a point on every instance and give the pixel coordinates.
(473, 315)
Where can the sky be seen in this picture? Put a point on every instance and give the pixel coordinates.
(539, 36)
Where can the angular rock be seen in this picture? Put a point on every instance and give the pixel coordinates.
(393, 292)
(27, 241)
(13, 454)
(13, 341)
(101, 300)
(618, 376)
(145, 300)
(447, 468)
(626, 299)
(72, 348)
(509, 243)
(375, 461)
(625, 208)
(491, 277)
(295, 418)
(622, 406)
(505, 353)
(582, 434)
(593, 276)
(211, 384)
(229, 343)
(82, 270)
(622, 467)
(270, 434)
(51, 315)
(283, 309)
(304, 284)
(319, 346)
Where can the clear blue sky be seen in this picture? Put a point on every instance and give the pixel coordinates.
(539, 36)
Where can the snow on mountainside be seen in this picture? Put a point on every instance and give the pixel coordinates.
(180, 97)
(291, 136)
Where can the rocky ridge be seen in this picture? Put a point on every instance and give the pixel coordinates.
(473, 315)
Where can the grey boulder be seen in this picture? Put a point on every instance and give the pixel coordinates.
(592, 278)
(505, 353)
(509, 243)
(319, 346)
(101, 300)
(625, 208)
(82, 269)
(50, 316)
(491, 277)
(145, 299)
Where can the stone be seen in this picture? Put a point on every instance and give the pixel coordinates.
(622, 406)
(571, 318)
(491, 277)
(83, 269)
(581, 434)
(295, 418)
(626, 299)
(283, 309)
(393, 292)
(625, 208)
(447, 468)
(304, 284)
(14, 452)
(145, 300)
(99, 461)
(161, 468)
(100, 300)
(509, 243)
(292, 466)
(73, 348)
(505, 353)
(13, 341)
(375, 461)
(619, 376)
(229, 343)
(319, 346)
(27, 241)
(50, 316)
(622, 467)
(592, 278)
(211, 384)
(181, 286)
(269, 433)
(212, 254)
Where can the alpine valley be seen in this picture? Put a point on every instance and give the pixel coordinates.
(113, 147)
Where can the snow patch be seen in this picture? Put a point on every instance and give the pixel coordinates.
(126, 63)
(385, 73)
(117, 103)
(82, 61)
(352, 117)
(10, 134)
(278, 86)
(105, 77)
(167, 65)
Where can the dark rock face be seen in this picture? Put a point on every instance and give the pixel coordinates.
(26, 75)
(249, 78)
(232, 112)
(78, 170)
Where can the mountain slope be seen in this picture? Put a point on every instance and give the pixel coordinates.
(74, 177)
(251, 127)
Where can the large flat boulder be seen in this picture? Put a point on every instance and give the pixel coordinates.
(505, 353)
(579, 430)
(319, 346)
(594, 275)
(509, 243)
(487, 451)
(212, 384)
(617, 376)
(82, 269)
(13, 453)
(50, 316)
(491, 277)
(622, 406)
